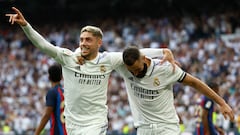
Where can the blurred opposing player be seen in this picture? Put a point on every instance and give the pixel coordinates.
(54, 104)
(204, 114)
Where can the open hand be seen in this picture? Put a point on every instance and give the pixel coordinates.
(168, 56)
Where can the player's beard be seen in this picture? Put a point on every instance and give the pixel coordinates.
(85, 56)
(143, 72)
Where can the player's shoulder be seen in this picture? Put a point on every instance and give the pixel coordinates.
(67, 52)
(53, 90)
(112, 58)
(110, 55)
(157, 62)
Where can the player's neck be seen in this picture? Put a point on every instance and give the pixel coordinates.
(55, 83)
(91, 57)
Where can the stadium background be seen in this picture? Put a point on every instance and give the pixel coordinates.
(204, 36)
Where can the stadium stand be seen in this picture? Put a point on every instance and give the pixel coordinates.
(207, 45)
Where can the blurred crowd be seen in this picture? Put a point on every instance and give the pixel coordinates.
(207, 46)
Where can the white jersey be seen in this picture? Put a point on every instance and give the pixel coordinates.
(85, 86)
(151, 97)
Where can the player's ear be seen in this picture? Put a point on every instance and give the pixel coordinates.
(143, 57)
(99, 42)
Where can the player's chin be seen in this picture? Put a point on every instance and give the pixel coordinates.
(84, 54)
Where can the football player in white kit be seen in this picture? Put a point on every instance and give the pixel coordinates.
(85, 85)
(150, 93)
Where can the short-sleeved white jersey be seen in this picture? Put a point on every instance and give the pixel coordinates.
(151, 97)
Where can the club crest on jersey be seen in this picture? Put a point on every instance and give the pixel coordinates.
(103, 69)
(156, 82)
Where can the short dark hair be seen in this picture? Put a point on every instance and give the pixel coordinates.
(130, 55)
(55, 72)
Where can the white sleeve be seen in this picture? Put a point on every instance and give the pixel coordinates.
(116, 59)
(153, 53)
(39, 41)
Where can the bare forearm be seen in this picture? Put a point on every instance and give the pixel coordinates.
(204, 89)
(205, 126)
(200, 86)
(42, 124)
(205, 121)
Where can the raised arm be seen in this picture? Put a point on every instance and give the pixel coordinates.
(32, 35)
(164, 53)
(200, 86)
(168, 56)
